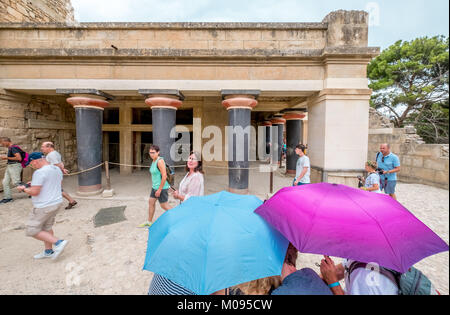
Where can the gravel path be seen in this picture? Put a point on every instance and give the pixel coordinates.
(109, 259)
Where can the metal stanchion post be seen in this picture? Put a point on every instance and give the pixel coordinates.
(271, 175)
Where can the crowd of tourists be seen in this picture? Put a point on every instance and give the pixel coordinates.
(47, 195)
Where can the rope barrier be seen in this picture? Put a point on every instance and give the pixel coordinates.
(204, 166)
(175, 166)
(84, 171)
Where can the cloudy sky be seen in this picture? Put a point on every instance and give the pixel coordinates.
(390, 20)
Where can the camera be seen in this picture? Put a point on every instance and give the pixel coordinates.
(380, 171)
(360, 182)
(24, 184)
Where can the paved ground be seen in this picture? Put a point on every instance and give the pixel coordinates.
(109, 259)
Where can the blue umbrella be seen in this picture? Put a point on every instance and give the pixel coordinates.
(213, 242)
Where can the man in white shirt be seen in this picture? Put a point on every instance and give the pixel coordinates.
(45, 192)
(358, 280)
(54, 158)
(303, 168)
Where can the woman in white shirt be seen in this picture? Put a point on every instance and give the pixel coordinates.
(373, 179)
(193, 183)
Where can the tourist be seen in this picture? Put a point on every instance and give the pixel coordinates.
(303, 167)
(389, 163)
(162, 286)
(45, 192)
(13, 169)
(54, 158)
(263, 286)
(160, 186)
(299, 282)
(193, 182)
(372, 182)
(358, 281)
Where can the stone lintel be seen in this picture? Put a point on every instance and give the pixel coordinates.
(366, 92)
(254, 93)
(167, 92)
(93, 92)
(294, 110)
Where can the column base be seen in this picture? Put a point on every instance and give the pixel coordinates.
(290, 172)
(84, 191)
(344, 177)
(238, 191)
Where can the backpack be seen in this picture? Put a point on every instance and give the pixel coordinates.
(170, 174)
(412, 282)
(23, 155)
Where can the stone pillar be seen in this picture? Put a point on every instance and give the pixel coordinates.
(277, 138)
(239, 105)
(89, 119)
(337, 141)
(294, 136)
(126, 141)
(164, 105)
(137, 149)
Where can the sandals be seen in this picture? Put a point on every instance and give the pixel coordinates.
(71, 205)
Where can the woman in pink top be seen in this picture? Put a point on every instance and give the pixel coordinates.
(192, 183)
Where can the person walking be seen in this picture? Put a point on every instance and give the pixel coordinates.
(54, 158)
(160, 186)
(372, 182)
(193, 182)
(390, 164)
(45, 192)
(13, 168)
(303, 167)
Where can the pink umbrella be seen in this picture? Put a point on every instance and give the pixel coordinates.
(337, 220)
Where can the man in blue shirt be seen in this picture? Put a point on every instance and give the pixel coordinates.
(390, 164)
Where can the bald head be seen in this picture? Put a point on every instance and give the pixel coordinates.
(385, 149)
(47, 147)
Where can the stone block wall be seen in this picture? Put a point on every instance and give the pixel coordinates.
(29, 121)
(40, 11)
(420, 162)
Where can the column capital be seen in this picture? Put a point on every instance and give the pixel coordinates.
(86, 98)
(158, 98)
(163, 101)
(239, 101)
(278, 121)
(266, 123)
(246, 99)
(294, 115)
(84, 101)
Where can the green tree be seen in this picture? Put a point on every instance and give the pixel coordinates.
(410, 81)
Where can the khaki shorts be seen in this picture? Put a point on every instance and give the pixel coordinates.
(41, 219)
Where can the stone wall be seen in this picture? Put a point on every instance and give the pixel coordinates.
(40, 11)
(420, 162)
(30, 120)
